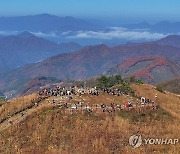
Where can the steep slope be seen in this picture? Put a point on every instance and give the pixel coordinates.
(84, 63)
(172, 40)
(36, 84)
(168, 41)
(172, 86)
(27, 48)
(91, 61)
(151, 48)
(152, 69)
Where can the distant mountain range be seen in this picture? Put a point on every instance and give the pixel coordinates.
(86, 31)
(44, 23)
(160, 27)
(92, 61)
(25, 57)
(27, 48)
(51, 23)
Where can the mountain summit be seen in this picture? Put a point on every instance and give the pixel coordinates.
(25, 34)
(27, 48)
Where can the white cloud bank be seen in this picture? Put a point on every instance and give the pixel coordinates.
(40, 34)
(118, 33)
(108, 34)
(7, 33)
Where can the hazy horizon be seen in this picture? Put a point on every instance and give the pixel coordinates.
(116, 11)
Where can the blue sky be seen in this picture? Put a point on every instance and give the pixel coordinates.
(110, 9)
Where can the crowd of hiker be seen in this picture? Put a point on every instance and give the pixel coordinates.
(70, 92)
(64, 91)
(103, 107)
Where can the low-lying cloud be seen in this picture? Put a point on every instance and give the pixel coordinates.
(118, 33)
(40, 34)
(108, 34)
(7, 33)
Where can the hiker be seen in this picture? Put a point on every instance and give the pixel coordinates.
(96, 107)
(10, 122)
(157, 107)
(112, 106)
(70, 97)
(61, 93)
(143, 100)
(73, 107)
(65, 105)
(118, 106)
(103, 106)
(130, 104)
(110, 110)
(89, 91)
(22, 114)
(40, 93)
(152, 102)
(45, 92)
(79, 104)
(53, 101)
(127, 104)
(138, 104)
(113, 93)
(35, 104)
(68, 92)
(73, 91)
(88, 108)
(148, 101)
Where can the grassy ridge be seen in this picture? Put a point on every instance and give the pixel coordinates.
(50, 130)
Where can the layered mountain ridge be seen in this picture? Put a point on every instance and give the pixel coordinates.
(27, 48)
(92, 61)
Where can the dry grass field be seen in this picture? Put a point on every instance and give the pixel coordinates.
(16, 104)
(48, 129)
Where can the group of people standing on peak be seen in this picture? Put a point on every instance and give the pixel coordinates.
(70, 92)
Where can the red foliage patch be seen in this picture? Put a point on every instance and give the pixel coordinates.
(145, 72)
